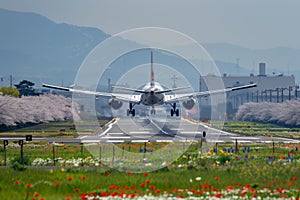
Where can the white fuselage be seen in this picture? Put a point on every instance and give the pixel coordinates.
(151, 97)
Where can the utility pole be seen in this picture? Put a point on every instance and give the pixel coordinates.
(200, 83)
(10, 80)
(109, 85)
(174, 78)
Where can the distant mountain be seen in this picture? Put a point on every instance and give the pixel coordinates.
(36, 48)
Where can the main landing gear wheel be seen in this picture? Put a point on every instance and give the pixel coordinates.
(131, 110)
(153, 112)
(174, 110)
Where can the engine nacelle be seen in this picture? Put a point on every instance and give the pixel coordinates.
(188, 104)
(115, 104)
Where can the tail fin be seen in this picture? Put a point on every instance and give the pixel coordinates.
(152, 71)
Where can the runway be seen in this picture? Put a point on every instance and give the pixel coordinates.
(155, 129)
(149, 129)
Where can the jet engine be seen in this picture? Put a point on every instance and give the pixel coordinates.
(115, 104)
(188, 104)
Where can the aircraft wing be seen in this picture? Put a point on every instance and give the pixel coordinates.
(179, 97)
(118, 96)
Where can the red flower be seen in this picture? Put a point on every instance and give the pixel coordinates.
(76, 189)
(57, 184)
(152, 186)
(103, 194)
(36, 194)
(146, 174)
(16, 182)
(147, 181)
(28, 185)
(133, 196)
(111, 187)
(132, 187)
(94, 193)
(218, 195)
(83, 177)
(243, 194)
(294, 178)
(282, 157)
(247, 186)
(157, 191)
(290, 183)
(69, 178)
(217, 178)
(114, 194)
(230, 188)
(142, 184)
(128, 172)
(107, 174)
(254, 195)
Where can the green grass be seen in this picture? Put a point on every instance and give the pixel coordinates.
(264, 129)
(45, 182)
(61, 129)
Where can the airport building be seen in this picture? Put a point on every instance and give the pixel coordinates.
(275, 88)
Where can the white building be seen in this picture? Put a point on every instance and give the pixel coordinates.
(275, 88)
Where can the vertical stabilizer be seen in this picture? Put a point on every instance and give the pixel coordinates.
(152, 71)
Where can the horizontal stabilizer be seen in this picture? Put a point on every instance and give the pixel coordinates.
(172, 90)
(129, 89)
(56, 87)
(244, 87)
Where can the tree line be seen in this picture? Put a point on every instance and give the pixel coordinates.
(286, 113)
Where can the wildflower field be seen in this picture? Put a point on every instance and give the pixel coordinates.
(71, 171)
(254, 171)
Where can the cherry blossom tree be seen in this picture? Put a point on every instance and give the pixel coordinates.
(287, 113)
(36, 109)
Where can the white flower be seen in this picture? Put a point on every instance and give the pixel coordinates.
(198, 178)
(191, 180)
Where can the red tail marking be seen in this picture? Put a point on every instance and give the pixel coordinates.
(152, 71)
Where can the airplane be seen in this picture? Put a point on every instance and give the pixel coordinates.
(152, 94)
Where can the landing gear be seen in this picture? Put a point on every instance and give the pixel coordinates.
(131, 110)
(153, 111)
(174, 110)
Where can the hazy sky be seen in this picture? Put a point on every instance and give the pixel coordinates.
(251, 23)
